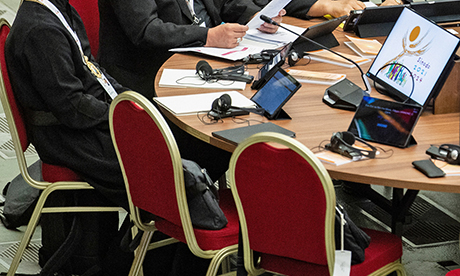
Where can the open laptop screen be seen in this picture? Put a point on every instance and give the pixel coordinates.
(420, 46)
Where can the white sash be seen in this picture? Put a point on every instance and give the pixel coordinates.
(94, 70)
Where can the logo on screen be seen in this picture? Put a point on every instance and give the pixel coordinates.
(413, 44)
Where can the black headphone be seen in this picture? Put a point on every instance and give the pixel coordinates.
(294, 57)
(447, 152)
(342, 143)
(233, 73)
(222, 107)
(222, 104)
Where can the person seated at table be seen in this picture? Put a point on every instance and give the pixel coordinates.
(307, 9)
(57, 83)
(135, 36)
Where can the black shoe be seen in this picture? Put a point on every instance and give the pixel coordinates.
(5, 221)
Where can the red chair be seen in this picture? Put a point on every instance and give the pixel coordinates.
(153, 174)
(55, 177)
(455, 272)
(286, 205)
(89, 13)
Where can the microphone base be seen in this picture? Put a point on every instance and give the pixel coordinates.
(344, 95)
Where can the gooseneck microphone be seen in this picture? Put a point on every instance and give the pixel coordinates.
(345, 94)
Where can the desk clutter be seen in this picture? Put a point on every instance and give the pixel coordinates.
(445, 161)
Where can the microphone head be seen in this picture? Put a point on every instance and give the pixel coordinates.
(268, 20)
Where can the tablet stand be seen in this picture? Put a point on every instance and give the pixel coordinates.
(328, 40)
(411, 142)
(281, 115)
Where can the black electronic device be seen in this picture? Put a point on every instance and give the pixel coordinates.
(233, 73)
(330, 100)
(415, 59)
(385, 122)
(222, 108)
(263, 57)
(344, 95)
(320, 33)
(428, 168)
(449, 153)
(276, 61)
(343, 144)
(350, 22)
(274, 94)
(444, 12)
(377, 21)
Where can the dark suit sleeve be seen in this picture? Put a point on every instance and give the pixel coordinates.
(296, 8)
(238, 11)
(145, 28)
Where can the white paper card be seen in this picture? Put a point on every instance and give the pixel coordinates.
(342, 265)
(193, 103)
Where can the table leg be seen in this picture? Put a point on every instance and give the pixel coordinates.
(398, 206)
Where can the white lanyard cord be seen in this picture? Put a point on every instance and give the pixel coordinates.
(94, 70)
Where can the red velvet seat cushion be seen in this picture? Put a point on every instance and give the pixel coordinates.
(209, 239)
(53, 173)
(455, 272)
(384, 248)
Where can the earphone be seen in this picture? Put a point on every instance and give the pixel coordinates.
(342, 143)
(449, 153)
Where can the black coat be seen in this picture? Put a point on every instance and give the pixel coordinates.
(48, 74)
(135, 35)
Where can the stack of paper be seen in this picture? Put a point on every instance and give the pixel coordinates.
(367, 48)
(315, 77)
(328, 57)
(191, 104)
(188, 78)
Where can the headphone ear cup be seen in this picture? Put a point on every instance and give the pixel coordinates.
(204, 70)
(348, 137)
(293, 58)
(221, 104)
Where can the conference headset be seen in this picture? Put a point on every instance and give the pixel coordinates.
(233, 73)
(342, 143)
(447, 152)
(222, 108)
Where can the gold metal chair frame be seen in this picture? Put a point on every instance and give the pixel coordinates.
(251, 267)
(217, 256)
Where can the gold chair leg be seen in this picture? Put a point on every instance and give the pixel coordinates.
(27, 235)
(140, 252)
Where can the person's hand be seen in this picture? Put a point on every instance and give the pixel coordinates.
(270, 28)
(336, 8)
(391, 2)
(227, 35)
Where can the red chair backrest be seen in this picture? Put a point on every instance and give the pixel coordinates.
(284, 203)
(15, 108)
(89, 13)
(146, 161)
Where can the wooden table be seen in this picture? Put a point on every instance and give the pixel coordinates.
(314, 122)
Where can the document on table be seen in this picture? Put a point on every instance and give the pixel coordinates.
(234, 54)
(247, 47)
(271, 10)
(191, 104)
(188, 78)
